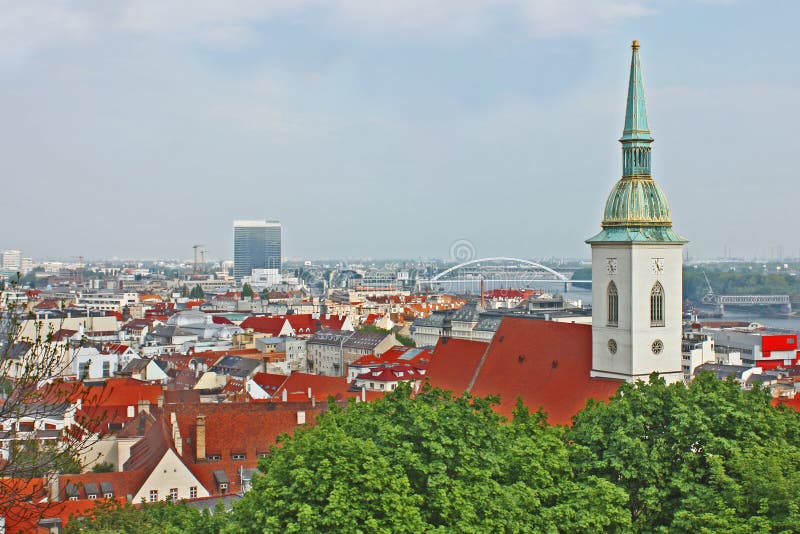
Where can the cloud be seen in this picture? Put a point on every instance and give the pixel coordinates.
(29, 26)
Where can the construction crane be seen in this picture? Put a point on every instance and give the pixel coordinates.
(196, 248)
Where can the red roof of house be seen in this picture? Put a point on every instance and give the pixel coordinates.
(454, 362)
(265, 325)
(236, 428)
(123, 392)
(332, 322)
(269, 382)
(302, 323)
(115, 348)
(371, 318)
(546, 363)
(298, 384)
(219, 319)
(393, 374)
(396, 355)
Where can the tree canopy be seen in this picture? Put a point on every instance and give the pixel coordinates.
(197, 292)
(706, 457)
(247, 291)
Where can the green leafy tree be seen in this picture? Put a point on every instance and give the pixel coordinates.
(247, 291)
(161, 518)
(197, 292)
(103, 467)
(436, 462)
(703, 458)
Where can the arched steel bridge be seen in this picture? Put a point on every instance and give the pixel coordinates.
(495, 272)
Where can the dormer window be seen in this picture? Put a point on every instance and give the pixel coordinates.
(238, 456)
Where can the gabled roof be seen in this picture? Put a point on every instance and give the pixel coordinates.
(264, 325)
(546, 363)
(298, 384)
(332, 322)
(393, 374)
(454, 363)
(269, 382)
(236, 428)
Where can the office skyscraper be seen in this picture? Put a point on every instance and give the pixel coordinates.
(256, 245)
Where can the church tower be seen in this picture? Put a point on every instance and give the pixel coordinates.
(637, 263)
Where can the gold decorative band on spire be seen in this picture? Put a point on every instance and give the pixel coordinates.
(635, 44)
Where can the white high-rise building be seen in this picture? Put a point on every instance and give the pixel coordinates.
(637, 263)
(11, 260)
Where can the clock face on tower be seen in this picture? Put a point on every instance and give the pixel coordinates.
(658, 265)
(611, 265)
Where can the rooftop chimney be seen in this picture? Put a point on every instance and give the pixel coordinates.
(201, 437)
(144, 406)
(54, 493)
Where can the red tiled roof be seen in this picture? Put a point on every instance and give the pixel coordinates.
(454, 362)
(302, 323)
(123, 483)
(264, 325)
(236, 428)
(332, 322)
(393, 374)
(219, 319)
(371, 318)
(116, 348)
(298, 384)
(269, 382)
(546, 363)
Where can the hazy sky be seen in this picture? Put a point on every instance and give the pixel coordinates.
(389, 128)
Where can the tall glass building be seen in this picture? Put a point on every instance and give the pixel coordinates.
(256, 245)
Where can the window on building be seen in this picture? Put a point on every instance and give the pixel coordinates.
(193, 492)
(238, 456)
(83, 370)
(213, 457)
(92, 496)
(173, 494)
(657, 305)
(106, 369)
(153, 495)
(613, 304)
(108, 495)
(263, 454)
(223, 487)
(25, 426)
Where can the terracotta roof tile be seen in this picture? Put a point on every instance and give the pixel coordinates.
(546, 363)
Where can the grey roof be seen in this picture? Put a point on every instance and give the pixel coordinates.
(220, 477)
(107, 487)
(723, 371)
(247, 473)
(436, 319)
(468, 313)
(488, 323)
(235, 366)
(350, 340)
(136, 365)
(72, 490)
(90, 488)
(210, 504)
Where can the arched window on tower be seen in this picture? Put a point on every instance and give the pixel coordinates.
(613, 304)
(657, 305)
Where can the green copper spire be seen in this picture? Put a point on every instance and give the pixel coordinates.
(636, 111)
(636, 209)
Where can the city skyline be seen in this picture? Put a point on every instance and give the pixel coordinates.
(465, 108)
